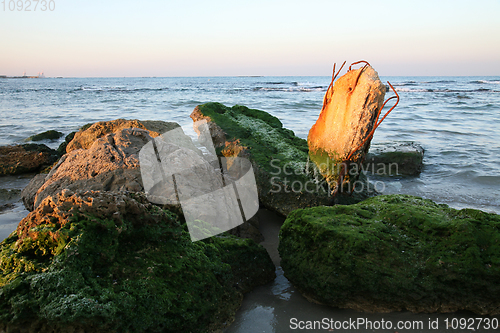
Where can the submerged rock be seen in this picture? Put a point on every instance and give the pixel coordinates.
(89, 133)
(337, 139)
(392, 159)
(25, 158)
(285, 178)
(47, 135)
(393, 253)
(110, 164)
(113, 262)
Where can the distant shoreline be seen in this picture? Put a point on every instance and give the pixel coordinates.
(21, 77)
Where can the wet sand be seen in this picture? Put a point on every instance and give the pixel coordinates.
(272, 308)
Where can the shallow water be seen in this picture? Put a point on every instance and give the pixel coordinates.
(279, 307)
(455, 119)
(11, 208)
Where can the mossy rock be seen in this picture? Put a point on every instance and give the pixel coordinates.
(286, 180)
(392, 253)
(394, 159)
(47, 135)
(108, 262)
(62, 147)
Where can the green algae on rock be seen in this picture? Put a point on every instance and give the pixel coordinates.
(47, 135)
(113, 262)
(285, 178)
(67, 139)
(395, 252)
(394, 159)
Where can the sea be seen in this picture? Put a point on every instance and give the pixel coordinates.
(455, 119)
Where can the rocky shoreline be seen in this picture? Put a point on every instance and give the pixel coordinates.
(90, 200)
(91, 222)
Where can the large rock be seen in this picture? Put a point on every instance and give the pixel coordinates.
(110, 164)
(349, 113)
(112, 262)
(28, 194)
(87, 135)
(393, 253)
(394, 158)
(285, 178)
(25, 158)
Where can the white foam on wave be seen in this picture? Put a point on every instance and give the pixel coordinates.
(411, 90)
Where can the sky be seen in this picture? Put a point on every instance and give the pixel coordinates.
(90, 38)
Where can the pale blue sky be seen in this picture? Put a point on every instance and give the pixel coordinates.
(217, 38)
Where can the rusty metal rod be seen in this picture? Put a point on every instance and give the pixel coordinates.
(358, 62)
(357, 79)
(334, 76)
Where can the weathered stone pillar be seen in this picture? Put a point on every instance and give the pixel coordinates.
(349, 114)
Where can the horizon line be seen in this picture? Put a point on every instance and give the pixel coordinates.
(2, 76)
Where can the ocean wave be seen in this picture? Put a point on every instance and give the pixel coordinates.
(439, 81)
(447, 90)
(413, 90)
(273, 82)
(406, 83)
(485, 82)
(43, 89)
(444, 81)
(292, 83)
(20, 90)
(291, 89)
(451, 133)
(305, 84)
(116, 89)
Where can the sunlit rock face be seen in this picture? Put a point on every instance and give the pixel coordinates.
(349, 114)
(110, 164)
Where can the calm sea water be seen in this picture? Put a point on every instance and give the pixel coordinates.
(455, 119)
